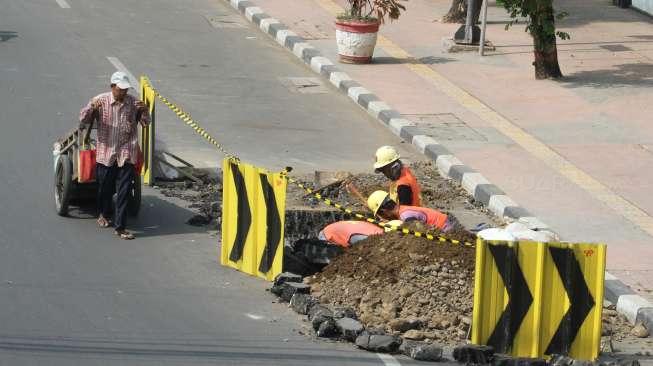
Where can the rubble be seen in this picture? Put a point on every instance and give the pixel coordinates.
(378, 342)
(639, 331)
(349, 328)
(414, 284)
(473, 354)
(302, 303)
(421, 351)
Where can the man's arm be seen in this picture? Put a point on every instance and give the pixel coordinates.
(87, 114)
(405, 195)
(410, 215)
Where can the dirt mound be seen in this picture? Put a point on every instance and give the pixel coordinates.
(437, 192)
(404, 284)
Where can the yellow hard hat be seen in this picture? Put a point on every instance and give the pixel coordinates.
(394, 225)
(385, 155)
(376, 200)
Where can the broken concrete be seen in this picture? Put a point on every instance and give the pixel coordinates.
(319, 316)
(327, 328)
(421, 351)
(378, 343)
(302, 303)
(502, 360)
(288, 289)
(349, 328)
(471, 353)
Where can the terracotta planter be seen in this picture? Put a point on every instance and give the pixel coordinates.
(356, 41)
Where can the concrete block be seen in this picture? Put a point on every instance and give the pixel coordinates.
(445, 162)
(265, 24)
(471, 180)
(355, 92)
(318, 62)
(338, 77)
(629, 305)
(249, 12)
(422, 141)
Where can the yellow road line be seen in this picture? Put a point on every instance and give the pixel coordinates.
(528, 142)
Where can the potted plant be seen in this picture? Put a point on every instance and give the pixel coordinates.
(356, 29)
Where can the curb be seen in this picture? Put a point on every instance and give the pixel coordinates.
(628, 303)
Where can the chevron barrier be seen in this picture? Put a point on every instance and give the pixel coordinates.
(146, 135)
(253, 214)
(536, 299)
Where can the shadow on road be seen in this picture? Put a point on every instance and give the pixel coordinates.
(159, 217)
(429, 60)
(625, 75)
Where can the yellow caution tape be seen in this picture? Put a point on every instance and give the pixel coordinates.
(406, 231)
(184, 116)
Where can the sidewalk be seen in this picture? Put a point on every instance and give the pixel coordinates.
(577, 153)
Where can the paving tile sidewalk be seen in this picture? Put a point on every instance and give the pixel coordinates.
(596, 119)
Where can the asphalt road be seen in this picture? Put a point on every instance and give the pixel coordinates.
(73, 294)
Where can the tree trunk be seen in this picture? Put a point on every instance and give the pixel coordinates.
(544, 44)
(458, 12)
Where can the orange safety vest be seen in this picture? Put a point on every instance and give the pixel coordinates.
(433, 217)
(340, 232)
(406, 179)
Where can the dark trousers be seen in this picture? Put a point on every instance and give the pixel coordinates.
(109, 178)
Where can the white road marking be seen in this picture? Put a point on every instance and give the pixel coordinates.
(388, 360)
(121, 67)
(63, 4)
(254, 316)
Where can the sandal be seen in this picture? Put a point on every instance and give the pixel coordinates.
(124, 234)
(102, 222)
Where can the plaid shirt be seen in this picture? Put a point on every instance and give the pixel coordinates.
(117, 139)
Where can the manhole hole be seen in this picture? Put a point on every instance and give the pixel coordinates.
(445, 127)
(304, 85)
(306, 224)
(615, 47)
(225, 21)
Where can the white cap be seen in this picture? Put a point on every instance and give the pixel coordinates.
(121, 80)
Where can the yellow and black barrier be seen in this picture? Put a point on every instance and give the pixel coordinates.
(146, 136)
(253, 215)
(536, 299)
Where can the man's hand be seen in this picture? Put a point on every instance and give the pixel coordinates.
(140, 109)
(140, 106)
(96, 105)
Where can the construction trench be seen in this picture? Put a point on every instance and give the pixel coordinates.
(390, 293)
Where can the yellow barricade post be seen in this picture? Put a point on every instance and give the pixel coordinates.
(536, 299)
(253, 215)
(146, 138)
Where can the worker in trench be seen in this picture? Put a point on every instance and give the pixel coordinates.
(403, 188)
(349, 232)
(383, 206)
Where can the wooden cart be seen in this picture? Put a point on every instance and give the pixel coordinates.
(67, 187)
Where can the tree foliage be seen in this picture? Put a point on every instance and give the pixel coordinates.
(535, 12)
(373, 10)
(540, 19)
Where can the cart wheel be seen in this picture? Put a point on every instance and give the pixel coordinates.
(134, 203)
(63, 184)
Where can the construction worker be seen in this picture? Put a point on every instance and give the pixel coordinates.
(403, 188)
(347, 233)
(384, 206)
